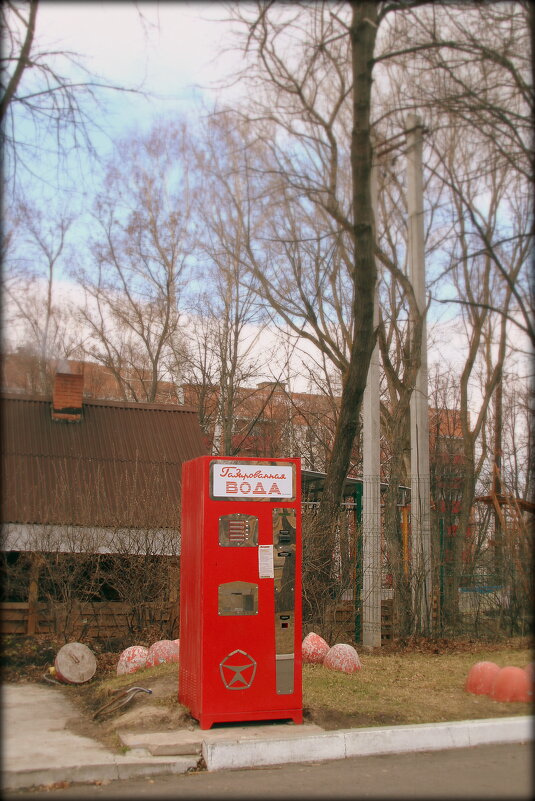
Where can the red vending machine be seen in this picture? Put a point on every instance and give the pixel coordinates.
(240, 590)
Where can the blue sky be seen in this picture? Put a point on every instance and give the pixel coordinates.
(169, 50)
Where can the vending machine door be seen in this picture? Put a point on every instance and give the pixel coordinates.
(284, 547)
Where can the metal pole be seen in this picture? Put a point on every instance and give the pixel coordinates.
(497, 483)
(371, 510)
(420, 475)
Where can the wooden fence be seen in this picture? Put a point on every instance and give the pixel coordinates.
(114, 619)
(100, 620)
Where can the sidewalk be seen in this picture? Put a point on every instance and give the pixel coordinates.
(38, 749)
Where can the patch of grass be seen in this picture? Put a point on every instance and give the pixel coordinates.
(393, 687)
(408, 688)
(419, 681)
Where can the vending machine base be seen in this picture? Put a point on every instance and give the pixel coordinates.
(207, 721)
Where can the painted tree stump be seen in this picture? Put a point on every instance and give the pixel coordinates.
(162, 652)
(132, 659)
(342, 657)
(481, 677)
(314, 649)
(75, 663)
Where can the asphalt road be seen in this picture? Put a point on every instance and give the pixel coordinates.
(483, 772)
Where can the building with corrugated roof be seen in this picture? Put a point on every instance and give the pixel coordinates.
(98, 466)
(92, 477)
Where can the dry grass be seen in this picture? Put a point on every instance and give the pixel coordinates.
(393, 687)
(408, 688)
(422, 682)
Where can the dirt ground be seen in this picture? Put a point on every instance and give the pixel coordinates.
(28, 659)
(330, 719)
(159, 711)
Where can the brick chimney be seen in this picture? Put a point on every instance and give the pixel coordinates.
(67, 394)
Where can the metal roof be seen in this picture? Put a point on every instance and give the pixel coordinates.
(119, 466)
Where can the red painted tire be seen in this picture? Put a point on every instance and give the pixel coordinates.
(530, 673)
(511, 684)
(314, 649)
(162, 652)
(342, 657)
(481, 677)
(132, 659)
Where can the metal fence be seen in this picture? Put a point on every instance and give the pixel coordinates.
(476, 582)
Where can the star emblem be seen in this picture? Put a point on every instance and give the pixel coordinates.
(237, 670)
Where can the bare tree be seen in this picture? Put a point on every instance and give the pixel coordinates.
(517, 444)
(487, 266)
(315, 65)
(236, 319)
(310, 70)
(133, 289)
(468, 67)
(40, 318)
(467, 71)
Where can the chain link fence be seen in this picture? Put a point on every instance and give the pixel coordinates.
(475, 580)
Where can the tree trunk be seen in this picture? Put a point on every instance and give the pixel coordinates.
(362, 35)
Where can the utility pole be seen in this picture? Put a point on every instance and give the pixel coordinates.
(419, 408)
(371, 499)
(497, 482)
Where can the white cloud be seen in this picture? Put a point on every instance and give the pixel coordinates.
(166, 46)
(169, 50)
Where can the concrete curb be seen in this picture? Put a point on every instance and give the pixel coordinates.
(190, 741)
(363, 742)
(126, 767)
(254, 750)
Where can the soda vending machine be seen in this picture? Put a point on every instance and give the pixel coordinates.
(240, 590)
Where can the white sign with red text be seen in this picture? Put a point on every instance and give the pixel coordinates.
(252, 481)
